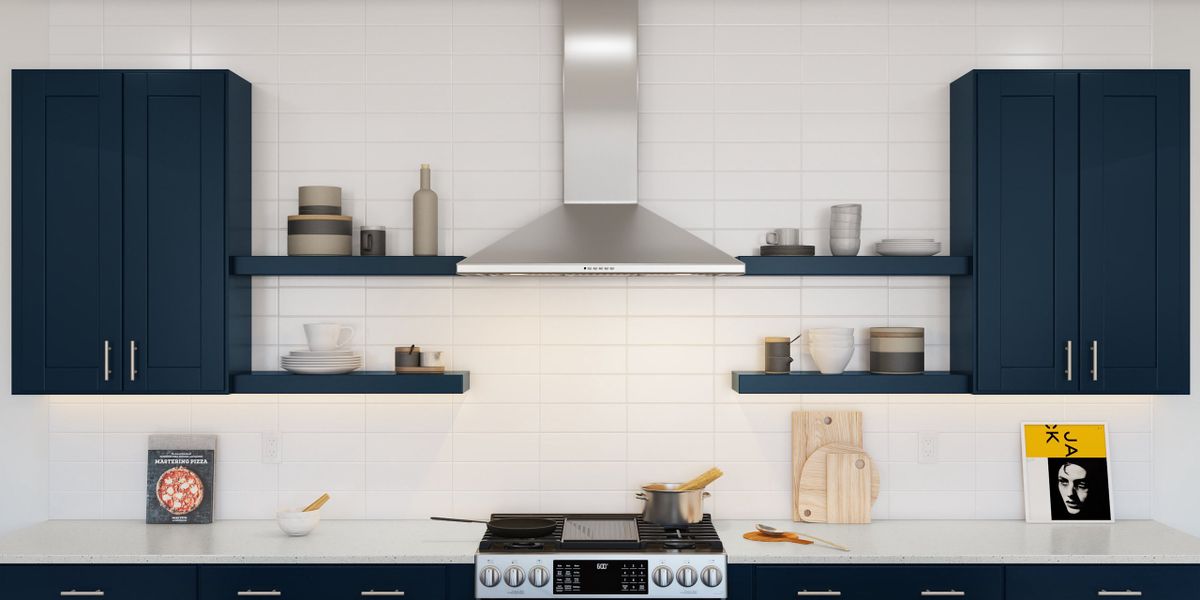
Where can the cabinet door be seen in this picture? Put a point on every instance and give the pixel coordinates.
(104, 582)
(174, 232)
(1027, 240)
(66, 231)
(325, 582)
(878, 582)
(1092, 582)
(1134, 231)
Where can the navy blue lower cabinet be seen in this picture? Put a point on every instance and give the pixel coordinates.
(891, 582)
(104, 582)
(739, 582)
(1092, 582)
(322, 582)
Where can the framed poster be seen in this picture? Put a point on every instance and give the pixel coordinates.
(1066, 473)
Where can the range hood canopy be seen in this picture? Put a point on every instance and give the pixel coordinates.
(600, 229)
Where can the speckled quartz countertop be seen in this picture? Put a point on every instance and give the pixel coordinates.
(418, 541)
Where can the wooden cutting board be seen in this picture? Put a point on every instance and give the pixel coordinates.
(848, 488)
(813, 429)
(811, 493)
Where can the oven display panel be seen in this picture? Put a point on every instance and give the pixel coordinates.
(600, 577)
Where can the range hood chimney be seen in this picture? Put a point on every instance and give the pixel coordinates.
(600, 229)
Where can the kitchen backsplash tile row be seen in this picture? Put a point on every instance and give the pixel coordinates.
(755, 114)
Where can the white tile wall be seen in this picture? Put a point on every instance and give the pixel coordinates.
(755, 114)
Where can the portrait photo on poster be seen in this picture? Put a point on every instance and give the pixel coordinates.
(1066, 472)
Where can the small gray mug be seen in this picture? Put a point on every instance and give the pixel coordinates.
(372, 241)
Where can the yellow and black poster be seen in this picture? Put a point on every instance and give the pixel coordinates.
(1066, 472)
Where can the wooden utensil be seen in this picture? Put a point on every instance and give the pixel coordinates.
(759, 536)
(702, 480)
(317, 504)
(803, 537)
(811, 495)
(813, 429)
(848, 488)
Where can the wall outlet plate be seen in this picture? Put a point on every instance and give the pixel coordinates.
(927, 447)
(270, 447)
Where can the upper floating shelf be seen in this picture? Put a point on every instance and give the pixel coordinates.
(345, 265)
(850, 382)
(856, 265)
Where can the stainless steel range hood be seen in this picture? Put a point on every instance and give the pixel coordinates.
(600, 229)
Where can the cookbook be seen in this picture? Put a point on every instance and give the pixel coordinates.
(179, 478)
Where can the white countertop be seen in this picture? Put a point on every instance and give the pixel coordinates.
(419, 541)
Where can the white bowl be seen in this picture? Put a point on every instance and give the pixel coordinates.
(831, 331)
(831, 361)
(844, 246)
(295, 522)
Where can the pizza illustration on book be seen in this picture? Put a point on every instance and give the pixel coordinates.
(179, 490)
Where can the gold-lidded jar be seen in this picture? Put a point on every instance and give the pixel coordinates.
(897, 350)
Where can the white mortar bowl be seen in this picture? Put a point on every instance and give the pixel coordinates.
(295, 522)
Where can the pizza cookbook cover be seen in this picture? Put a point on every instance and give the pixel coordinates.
(179, 478)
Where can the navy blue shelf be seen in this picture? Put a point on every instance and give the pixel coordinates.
(856, 265)
(345, 265)
(850, 382)
(358, 382)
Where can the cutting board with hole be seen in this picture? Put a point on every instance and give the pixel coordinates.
(848, 488)
(811, 489)
(812, 429)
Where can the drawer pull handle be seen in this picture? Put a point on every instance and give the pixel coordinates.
(1120, 594)
(81, 593)
(382, 593)
(942, 593)
(824, 594)
(256, 593)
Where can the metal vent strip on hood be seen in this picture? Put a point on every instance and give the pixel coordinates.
(600, 229)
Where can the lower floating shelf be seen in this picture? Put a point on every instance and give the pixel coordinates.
(850, 382)
(358, 382)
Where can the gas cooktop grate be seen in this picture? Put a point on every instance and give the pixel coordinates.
(568, 535)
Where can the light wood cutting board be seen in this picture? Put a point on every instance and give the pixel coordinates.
(813, 429)
(848, 488)
(811, 493)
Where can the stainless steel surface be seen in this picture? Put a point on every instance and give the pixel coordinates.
(1125, 593)
(942, 594)
(514, 576)
(1095, 360)
(539, 576)
(670, 507)
(254, 593)
(600, 230)
(1069, 361)
(608, 530)
(661, 574)
(382, 594)
(489, 576)
(107, 365)
(81, 593)
(132, 360)
(711, 576)
(686, 576)
(818, 594)
(600, 101)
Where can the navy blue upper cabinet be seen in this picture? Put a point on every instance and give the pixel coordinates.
(1069, 193)
(131, 191)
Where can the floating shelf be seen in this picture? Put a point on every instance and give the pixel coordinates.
(850, 382)
(345, 265)
(856, 265)
(358, 382)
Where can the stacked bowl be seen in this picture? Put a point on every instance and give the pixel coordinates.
(831, 348)
(845, 229)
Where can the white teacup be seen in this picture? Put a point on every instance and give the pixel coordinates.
(431, 358)
(327, 336)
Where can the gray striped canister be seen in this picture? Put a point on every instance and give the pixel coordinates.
(319, 235)
(897, 350)
(320, 200)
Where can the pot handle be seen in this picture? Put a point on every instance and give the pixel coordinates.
(640, 496)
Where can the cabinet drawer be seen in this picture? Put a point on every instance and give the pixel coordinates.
(1113, 582)
(98, 582)
(322, 583)
(876, 583)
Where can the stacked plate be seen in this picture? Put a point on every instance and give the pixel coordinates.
(908, 247)
(332, 362)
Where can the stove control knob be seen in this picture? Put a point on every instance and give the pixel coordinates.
(663, 576)
(514, 576)
(711, 576)
(489, 576)
(539, 576)
(686, 576)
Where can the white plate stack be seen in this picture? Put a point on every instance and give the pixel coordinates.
(326, 362)
(831, 348)
(908, 247)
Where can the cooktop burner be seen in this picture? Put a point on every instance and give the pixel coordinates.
(608, 532)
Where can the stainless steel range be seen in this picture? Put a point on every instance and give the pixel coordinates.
(603, 556)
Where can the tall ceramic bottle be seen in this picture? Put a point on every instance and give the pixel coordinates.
(425, 218)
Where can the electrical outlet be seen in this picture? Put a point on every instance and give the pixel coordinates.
(270, 447)
(927, 447)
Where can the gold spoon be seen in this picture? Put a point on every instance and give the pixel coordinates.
(771, 531)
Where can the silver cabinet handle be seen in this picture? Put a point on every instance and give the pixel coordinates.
(132, 360)
(273, 593)
(383, 593)
(1125, 593)
(107, 364)
(1070, 361)
(953, 593)
(82, 593)
(1095, 360)
(824, 594)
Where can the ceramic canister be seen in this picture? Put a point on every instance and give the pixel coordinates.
(319, 235)
(897, 350)
(320, 200)
(777, 354)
